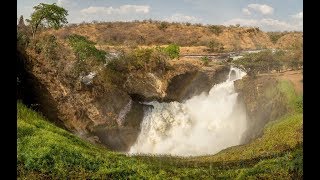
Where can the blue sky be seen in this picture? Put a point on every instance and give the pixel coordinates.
(269, 15)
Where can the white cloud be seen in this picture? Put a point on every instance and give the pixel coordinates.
(65, 3)
(261, 8)
(124, 9)
(298, 16)
(246, 11)
(177, 17)
(267, 24)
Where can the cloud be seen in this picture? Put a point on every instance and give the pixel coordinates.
(298, 16)
(261, 8)
(124, 9)
(246, 11)
(66, 3)
(177, 17)
(267, 24)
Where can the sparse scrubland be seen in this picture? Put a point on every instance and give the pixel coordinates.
(140, 61)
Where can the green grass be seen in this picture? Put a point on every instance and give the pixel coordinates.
(294, 101)
(48, 152)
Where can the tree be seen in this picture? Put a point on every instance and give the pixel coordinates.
(21, 22)
(47, 15)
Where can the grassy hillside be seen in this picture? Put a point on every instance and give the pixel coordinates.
(290, 41)
(162, 33)
(46, 151)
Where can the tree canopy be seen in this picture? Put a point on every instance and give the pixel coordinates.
(48, 15)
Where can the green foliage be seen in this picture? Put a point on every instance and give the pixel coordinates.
(294, 101)
(205, 60)
(173, 51)
(215, 29)
(280, 167)
(274, 36)
(215, 46)
(263, 61)
(142, 59)
(48, 46)
(23, 39)
(46, 151)
(163, 25)
(48, 15)
(84, 48)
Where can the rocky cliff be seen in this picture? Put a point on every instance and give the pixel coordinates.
(264, 102)
(109, 113)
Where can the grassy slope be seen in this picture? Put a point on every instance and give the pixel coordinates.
(46, 151)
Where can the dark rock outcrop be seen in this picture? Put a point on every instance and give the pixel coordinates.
(189, 84)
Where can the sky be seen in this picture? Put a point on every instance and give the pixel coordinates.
(268, 15)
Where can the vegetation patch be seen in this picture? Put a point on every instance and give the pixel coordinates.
(267, 61)
(46, 151)
(84, 48)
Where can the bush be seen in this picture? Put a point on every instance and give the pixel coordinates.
(147, 59)
(83, 48)
(215, 46)
(48, 46)
(205, 60)
(173, 51)
(23, 39)
(264, 61)
(274, 36)
(215, 29)
(163, 25)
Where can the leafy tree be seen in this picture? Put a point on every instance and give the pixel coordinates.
(85, 48)
(21, 22)
(47, 15)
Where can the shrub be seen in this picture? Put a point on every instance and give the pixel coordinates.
(215, 46)
(215, 29)
(205, 60)
(49, 45)
(147, 59)
(163, 25)
(173, 51)
(22, 39)
(264, 61)
(83, 48)
(274, 36)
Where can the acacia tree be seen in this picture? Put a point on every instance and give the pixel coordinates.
(47, 15)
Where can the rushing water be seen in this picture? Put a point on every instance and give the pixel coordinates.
(203, 124)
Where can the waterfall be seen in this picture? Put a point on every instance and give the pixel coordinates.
(203, 124)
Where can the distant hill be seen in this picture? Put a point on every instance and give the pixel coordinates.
(290, 40)
(148, 33)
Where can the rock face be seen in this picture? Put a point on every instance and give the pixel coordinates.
(186, 79)
(111, 115)
(189, 84)
(263, 102)
(145, 87)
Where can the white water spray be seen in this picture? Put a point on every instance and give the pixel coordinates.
(204, 124)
